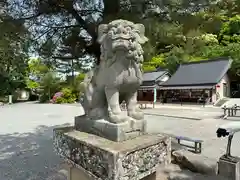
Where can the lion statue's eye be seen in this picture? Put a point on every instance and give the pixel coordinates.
(128, 29)
(110, 33)
(114, 30)
(124, 31)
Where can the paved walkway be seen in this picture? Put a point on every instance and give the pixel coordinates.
(26, 151)
(195, 114)
(179, 106)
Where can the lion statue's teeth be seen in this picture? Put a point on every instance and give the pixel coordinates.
(119, 69)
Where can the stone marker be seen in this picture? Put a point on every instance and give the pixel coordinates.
(194, 162)
(174, 172)
(228, 165)
(107, 143)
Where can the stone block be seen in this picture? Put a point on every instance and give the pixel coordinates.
(229, 167)
(80, 174)
(76, 173)
(103, 159)
(194, 162)
(174, 172)
(115, 132)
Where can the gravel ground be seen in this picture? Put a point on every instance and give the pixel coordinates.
(26, 151)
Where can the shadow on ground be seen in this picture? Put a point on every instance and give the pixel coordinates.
(29, 156)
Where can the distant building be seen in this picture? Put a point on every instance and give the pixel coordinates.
(150, 88)
(197, 81)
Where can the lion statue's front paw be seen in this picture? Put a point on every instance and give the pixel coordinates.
(117, 118)
(138, 115)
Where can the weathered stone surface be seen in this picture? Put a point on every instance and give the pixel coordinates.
(119, 74)
(174, 172)
(229, 167)
(109, 160)
(114, 132)
(194, 162)
(176, 147)
(132, 154)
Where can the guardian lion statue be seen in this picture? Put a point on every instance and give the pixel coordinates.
(119, 74)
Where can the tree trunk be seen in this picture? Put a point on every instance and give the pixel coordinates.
(49, 94)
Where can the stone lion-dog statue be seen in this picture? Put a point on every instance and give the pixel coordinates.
(119, 74)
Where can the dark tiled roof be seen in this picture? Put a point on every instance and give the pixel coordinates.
(148, 83)
(200, 73)
(153, 76)
(149, 87)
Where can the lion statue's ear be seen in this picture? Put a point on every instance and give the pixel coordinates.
(102, 30)
(142, 39)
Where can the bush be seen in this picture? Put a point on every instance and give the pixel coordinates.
(65, 96)
(44, 98)
(49, 85)
(60, 100)
(56, 96)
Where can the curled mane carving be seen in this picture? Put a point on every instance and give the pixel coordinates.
(134, 33)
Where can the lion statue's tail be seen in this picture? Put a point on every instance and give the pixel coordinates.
(88, 91)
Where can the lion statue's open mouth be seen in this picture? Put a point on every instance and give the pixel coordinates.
(120, 44)
(118, 75)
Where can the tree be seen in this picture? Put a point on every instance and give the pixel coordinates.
(36, 71)
(49, 85)
(60, 25)
(13, 55)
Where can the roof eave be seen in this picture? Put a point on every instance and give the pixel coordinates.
(224, 71)
(178, 85)
(165, 72)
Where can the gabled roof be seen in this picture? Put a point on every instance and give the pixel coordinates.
(206, 72)
(153, 76)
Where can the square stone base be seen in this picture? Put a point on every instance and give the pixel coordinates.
(79, 174)
(103, 159)
(229, 167)
(115, 132)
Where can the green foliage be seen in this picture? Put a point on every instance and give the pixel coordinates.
(68, 96)
(37, 69)
(44, 97)
(49, 84)
(36, 66)
(31, 84)
(148, 68)
(200, 45)
(178, 31)
(13, 55)
(80, 77)
(230, 31)
(36, 76)
(154, 63)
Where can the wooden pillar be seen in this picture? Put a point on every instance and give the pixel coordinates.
(180, 93)
(154, 97)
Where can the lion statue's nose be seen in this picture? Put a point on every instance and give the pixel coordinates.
(121, 30)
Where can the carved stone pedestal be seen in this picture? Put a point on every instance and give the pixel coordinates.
(94, 157)
(229, 167)
(115, 132)
(80, 174)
